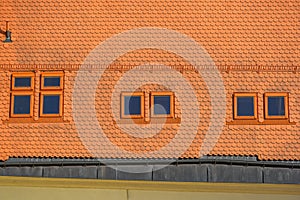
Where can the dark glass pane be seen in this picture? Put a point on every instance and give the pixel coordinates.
(276, 106)
(162, 105)
(245, 106)
(51, 104)
(132, 105)
(52, 81)
(22, 82)
(21, 104)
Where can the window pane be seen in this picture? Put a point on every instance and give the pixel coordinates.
(52, 81)
(162, 105)
(276, 106)
(22, 82)
(51, 104)
(21, 104)
(132, 105)
(245, 106)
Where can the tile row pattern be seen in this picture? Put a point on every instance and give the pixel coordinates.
(234, 33)
(267, 142)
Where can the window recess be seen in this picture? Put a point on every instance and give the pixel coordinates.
(245, 105)
(51, 94)
(22, 81)
(132, 105)
(51, 81)
(276, 106)
(162, 104)
(21, 103)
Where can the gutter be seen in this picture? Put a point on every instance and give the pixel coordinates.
(227, 160)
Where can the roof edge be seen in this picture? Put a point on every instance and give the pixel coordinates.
(231, 160)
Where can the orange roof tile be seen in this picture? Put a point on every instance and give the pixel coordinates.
(255, 46)
(233, 32)
(268, 142)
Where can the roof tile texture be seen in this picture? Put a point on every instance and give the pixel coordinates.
(232, 32)
(235, 34)
(267, 142)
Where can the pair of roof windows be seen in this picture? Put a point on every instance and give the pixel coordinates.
(275, 105)
(132, 104)
(22, 94)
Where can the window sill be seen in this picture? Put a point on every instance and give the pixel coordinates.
(265, 122)
(278, 122)
(152, 120)
(40, 120)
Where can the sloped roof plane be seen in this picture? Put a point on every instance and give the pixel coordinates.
(254, 46)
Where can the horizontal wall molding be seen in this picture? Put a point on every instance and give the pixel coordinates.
(226, 68)
(149, 185)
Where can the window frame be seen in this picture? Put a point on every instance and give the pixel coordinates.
(245, 94)
(286, 104)
(172, 104)
(20, 93)
(22, 74)
(142, 95)
(42, 94)
(51, 74)
(54, 90)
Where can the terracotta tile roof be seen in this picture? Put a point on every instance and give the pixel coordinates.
(268, 142)
(255, 45)
(233, 32)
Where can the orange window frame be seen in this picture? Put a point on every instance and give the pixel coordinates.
(42, 94)
(22, 75)
(142, 106)
(12, 103)
(235, 97)
(19, 91)
(172, 104)
(51, 74)
(286, 105)
(51, 90)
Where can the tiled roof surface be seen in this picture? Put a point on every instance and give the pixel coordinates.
(255, 44)
(268, 142)
(233, 32)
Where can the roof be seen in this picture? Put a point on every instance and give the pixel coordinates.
(254, 46)
(232, 32)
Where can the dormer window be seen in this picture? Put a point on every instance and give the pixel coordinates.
(132, 105)
(245, 105)
(22, 81)
(276, 105)
(22, 94)
(51, 94)
(162, 104)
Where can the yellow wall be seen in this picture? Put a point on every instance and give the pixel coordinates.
(21, 188)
